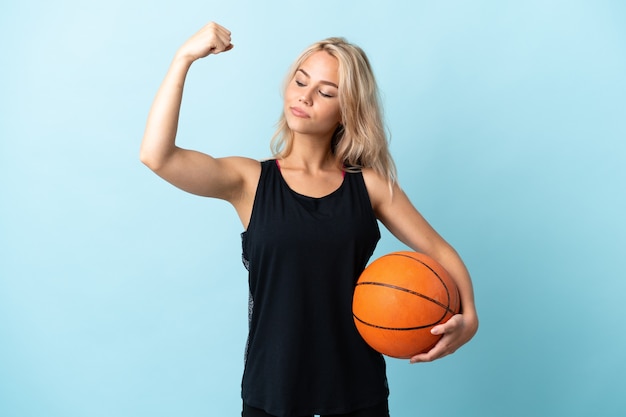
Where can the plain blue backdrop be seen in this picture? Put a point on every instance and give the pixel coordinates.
(123, 296)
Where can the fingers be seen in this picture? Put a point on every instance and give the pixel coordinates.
(220, 40)
(211, 39)
(451, 325)
(440, 350)
(443, 348)
(451, 332)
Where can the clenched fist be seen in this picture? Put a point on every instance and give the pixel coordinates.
(211, 39)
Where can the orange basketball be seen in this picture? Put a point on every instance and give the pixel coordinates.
(399, 298)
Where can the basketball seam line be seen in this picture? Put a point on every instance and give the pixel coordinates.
(395, 328)
(395, 287)
(431, 270)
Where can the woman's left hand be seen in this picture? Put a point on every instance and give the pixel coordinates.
(456, 332)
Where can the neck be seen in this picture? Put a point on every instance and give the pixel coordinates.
(311, 154)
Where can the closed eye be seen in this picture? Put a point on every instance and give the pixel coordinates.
(321, 93)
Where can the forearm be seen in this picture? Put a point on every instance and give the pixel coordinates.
(159, 137)
(453, 263)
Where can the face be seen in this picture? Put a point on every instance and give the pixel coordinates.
(311, 98)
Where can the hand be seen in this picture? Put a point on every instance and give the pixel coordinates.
(211, 39)
(456, 332)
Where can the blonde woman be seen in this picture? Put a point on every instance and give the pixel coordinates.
(310, 219)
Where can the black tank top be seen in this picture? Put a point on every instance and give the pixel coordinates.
(304, 255)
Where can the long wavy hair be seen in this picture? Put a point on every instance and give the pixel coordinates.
(361, 140)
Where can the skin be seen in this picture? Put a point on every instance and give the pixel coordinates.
(312, 110)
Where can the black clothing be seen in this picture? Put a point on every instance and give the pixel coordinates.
(304, 355)
(380, 410)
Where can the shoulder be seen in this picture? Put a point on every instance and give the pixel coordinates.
(379, 188)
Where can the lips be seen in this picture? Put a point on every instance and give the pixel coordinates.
(298, 112)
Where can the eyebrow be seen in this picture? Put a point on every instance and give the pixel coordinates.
(322, 81)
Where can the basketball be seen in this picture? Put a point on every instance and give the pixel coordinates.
(398, 299)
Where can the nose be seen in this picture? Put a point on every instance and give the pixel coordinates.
(305, 98)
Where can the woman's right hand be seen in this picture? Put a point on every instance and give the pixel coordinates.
(211, 39)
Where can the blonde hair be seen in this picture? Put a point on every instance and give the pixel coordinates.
(361, 140)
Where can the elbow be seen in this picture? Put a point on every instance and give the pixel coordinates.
(152, 154)
(150, 160)
(146, 158)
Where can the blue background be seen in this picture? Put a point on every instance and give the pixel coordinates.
(123, 296)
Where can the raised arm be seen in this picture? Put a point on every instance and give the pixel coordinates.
(192, 171)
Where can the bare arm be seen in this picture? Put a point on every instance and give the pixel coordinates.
(192, 171)
(403, 220)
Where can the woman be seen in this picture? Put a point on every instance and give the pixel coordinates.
(310, 220)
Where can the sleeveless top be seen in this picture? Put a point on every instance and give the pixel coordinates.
(304, 255)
